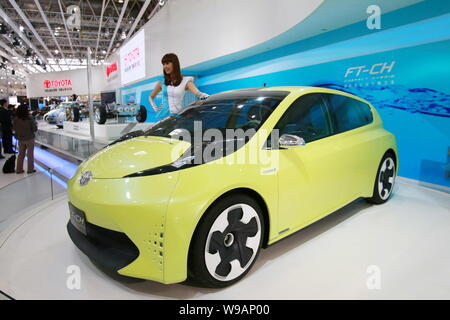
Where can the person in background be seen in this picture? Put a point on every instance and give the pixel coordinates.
(24, 128)
(6, 123)
(1, 156)
(174, 87)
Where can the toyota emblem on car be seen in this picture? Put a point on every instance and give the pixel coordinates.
(85, 178)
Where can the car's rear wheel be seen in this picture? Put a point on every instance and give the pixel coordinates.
(142, 114)
(100, 114)
(226, 243)
(385, 179)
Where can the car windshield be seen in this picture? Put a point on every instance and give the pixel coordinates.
(234, 110)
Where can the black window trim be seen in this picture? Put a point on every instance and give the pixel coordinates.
(333, 118)
(328, 119)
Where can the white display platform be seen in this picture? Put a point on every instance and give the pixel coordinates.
(407, 239)
(107, 131)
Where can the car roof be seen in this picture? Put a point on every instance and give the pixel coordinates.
(298, 89)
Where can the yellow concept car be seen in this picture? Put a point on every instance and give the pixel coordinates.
(197, 195)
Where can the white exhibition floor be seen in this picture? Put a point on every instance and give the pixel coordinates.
(6, 179)
(406, 239)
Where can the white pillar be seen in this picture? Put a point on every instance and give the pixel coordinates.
(91, 105)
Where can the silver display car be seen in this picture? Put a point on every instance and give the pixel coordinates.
(56, 115)
(65, 111)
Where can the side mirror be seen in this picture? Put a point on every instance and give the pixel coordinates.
(290, 140)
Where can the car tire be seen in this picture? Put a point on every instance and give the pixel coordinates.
(100, 114)
(75, 114)
(226, 242)
(384, 180)
(142, 114)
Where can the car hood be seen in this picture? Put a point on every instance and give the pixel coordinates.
(134, 155)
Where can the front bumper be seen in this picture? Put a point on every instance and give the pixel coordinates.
(136, 209)
(111, 249)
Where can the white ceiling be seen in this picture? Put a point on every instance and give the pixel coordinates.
(330, 15)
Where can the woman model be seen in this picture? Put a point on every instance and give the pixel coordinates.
(174, 87)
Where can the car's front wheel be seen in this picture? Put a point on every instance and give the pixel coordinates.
(385, 179)
(226, 243)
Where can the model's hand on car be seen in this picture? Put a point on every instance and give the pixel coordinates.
(203, 96)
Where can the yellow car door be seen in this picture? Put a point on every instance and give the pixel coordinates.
(310, 175)
(353, 123)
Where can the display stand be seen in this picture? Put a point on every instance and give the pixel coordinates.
(335, 258)
(107, 131)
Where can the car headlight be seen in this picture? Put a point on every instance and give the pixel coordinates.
(186, 161)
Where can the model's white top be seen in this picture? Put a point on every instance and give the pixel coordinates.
(175, 95)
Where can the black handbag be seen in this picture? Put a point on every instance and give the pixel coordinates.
(10, 163)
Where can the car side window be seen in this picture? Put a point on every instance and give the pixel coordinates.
(307, 117)
(348, 113)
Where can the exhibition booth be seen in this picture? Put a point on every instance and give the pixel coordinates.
(350, 199)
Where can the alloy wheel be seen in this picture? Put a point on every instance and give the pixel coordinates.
(386, 178)
(233, 241)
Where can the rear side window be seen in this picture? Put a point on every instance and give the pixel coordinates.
(348, 113)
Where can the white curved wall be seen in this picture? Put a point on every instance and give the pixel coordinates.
(200, 30)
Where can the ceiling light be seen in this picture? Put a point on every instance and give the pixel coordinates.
(21, 28)
(123, 35)
(56, 51)
(120, 1)
(104, 51)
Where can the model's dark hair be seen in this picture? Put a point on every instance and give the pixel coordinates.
(22, 112)
(2, 102)
(176, 77)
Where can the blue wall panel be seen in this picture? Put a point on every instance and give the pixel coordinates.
(410, 87)
(402, 69)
